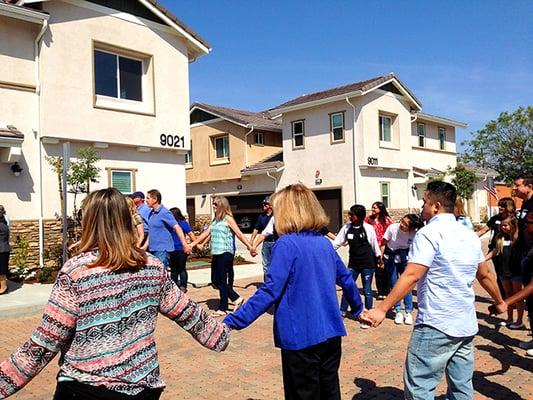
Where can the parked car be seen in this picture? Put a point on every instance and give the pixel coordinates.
(245, 223)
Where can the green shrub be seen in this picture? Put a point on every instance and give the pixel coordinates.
(45, 275)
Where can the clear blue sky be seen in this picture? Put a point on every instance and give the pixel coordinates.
(465, 60)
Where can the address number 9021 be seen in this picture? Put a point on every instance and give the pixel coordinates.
(172, 140)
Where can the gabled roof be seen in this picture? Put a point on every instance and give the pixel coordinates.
(272, 163)
(199, 45)
(353, 89)
(9, 131)
(248, 119)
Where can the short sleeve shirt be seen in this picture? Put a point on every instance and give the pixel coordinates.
(186, 228)
(398, 239)
(451, 252)
(160, 225)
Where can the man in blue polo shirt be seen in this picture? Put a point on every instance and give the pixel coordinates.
(161, 223)
(444, 260)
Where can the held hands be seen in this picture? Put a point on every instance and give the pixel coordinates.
(499, 308)
(253, 251)
(373, 317)
(187, 248)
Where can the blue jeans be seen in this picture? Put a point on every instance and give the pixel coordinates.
(366, 279)
(394, 270)
(162, 256)
(266, 254)
(430, 354)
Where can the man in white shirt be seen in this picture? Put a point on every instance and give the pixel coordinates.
(445, 258)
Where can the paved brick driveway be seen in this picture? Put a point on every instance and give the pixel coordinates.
(250, 369)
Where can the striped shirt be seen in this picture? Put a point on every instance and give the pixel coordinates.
(103, 324)
(222, 238)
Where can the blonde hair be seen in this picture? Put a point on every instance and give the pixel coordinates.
(223, 208)
(107, 228)
(297, 209)
(459, 207)
(513, 221)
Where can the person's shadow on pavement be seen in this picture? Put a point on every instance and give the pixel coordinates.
(369, 390)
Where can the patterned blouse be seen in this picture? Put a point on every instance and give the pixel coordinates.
(103, 324)
(378, 227)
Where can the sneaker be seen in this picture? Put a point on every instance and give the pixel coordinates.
(526, 345)
(408, 319)
(516, 325)
(398, 320)
(364, 326)
(343, 314)
(529, 352)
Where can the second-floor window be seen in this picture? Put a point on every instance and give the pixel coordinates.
(421, 130)
(298, 134)
(385, 128)
(188, 156)
(259, 138)
(337, 126)
(117, 76)
(442, 138)
(221, 147)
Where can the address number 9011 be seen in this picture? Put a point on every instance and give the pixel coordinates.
(172, 140)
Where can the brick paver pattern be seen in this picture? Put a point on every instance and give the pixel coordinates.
(371, 368)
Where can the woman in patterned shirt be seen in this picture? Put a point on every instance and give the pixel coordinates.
(102, 313)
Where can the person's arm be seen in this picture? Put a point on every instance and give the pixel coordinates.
(181, 236)
(56, 329)
(254, 234)
(276, 280)
(372, 239)
(383, 245)
(203, 236)
(521, 295)
(488, 282)
(331, 236)
(407, 281)
(235, 228)
(340, 237)
(490, 255)
(140, 234)
(178, 307)
(482, 231)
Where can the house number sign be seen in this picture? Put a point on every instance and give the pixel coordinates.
(172, 140)
(372, 161)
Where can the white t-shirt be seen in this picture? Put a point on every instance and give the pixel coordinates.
(398, 239)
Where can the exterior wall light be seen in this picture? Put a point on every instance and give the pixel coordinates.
(16, 169)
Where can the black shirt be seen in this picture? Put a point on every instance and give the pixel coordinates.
(360, 251)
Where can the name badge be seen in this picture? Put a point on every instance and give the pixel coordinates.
(349, 236)
(506, 242)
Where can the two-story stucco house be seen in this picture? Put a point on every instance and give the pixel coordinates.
(236, 153)
(359, 143)
(104, 73)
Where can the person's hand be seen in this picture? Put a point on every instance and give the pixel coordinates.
(253, 251)
(381, 264)
(187, 249)
(499, 308)
(373, 317)
(199, 246)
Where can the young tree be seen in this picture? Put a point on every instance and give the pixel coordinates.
(504, 145)
(464, 180)
(82, 172)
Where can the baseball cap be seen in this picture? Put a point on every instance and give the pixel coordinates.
(137, 194)
(266, 200)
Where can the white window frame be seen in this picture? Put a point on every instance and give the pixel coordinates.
(259, 138)
(381, 130)
(132, 178)
(302, 134)
(332, 127)
(442, 138)
(188, 157)
(423, 136)
(385, 198)
(225, 140)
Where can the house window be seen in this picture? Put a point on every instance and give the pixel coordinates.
(259, 138)
(298, 134)
(188, 156)
(442, 138)
(122, 181)
(421, 130)
(117, 76)
(385, 126)
(222, 147)
(385, 193)
(337, 126)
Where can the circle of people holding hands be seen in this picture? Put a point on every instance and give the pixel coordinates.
(131, 266)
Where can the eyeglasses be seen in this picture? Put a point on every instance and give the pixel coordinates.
(215, 205)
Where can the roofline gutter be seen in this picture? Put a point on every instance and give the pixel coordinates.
(441, 120)
(316, 102)
(25, 14)
(37, 128)
(264, 171)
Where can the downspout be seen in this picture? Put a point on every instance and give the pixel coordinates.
(38, 132)
(409, 185)
(355, 168)
(275, 181)
(246, 147)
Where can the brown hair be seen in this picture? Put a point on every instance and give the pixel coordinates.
(155, 194)
(297, 209)
(508, 204)
(223, 207)
(107, 228)
(513, 221)
(459, 207)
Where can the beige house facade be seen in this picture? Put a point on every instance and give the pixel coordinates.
(233, 153)
(108, 74)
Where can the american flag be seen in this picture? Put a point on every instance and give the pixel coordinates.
(490, 188)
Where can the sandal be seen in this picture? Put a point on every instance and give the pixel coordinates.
(218, 313)
(237, 303)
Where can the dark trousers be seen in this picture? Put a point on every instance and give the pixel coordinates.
(312, 373)
(80, 391)
(222, 264)
(4, 263)
(382, 282)
(178, 272)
